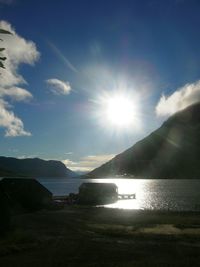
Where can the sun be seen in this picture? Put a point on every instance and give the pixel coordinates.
(120, 111)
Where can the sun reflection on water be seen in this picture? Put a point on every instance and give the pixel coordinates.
(152, 194)
(129, 186)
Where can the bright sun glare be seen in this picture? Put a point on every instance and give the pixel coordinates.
(120, 111)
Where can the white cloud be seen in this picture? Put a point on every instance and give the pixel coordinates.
(16, 93)
(59, 87)
(18, 51)
(88, 163)
(180, 99)
(13, 125)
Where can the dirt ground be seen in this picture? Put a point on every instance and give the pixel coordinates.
(85, 236)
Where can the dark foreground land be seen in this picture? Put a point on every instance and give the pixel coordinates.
(81, 236)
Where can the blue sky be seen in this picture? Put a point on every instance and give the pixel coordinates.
(73, 53)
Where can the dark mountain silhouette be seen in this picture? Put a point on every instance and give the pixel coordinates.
(172, 151)
(12, 167)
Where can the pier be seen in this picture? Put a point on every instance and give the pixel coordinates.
(126, 196)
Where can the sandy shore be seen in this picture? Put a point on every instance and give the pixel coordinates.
(85, 236)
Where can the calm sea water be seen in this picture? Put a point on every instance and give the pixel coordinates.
(181, 195)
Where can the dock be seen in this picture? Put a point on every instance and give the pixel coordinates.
(73, 198)
(126, 196)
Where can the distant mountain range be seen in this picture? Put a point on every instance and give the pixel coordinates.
(172, 151)
(34, 168)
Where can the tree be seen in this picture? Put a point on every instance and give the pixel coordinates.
(2, 58)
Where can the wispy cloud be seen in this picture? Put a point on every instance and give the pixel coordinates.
(64, 59)
(95, 48)
(7, 2)
(68, 153)
(180, 99)
(26, 157)
(59, 87)
(88, 163)
(18, 51)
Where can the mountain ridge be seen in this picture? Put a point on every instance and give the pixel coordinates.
(33, 167)
(171, 151)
